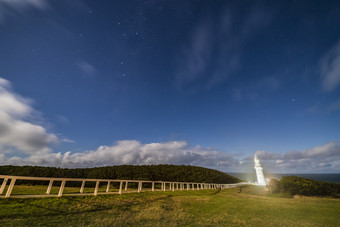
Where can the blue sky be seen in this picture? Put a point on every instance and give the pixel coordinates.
(93, 83)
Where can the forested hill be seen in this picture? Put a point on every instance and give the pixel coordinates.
(180, 173)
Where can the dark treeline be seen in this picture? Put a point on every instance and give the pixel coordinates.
(179, 173)
(301, 186)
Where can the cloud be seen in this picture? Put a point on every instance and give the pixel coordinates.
(197, 55)
(66, 140)
(15, 130)
(86, 68)
(215, 49)
(253, 91)
(313, 109)
(330, 69)
(323, 158)
(10, 7)
(132, 152)
(335, 106)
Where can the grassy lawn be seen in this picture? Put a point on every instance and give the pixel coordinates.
(251, 207)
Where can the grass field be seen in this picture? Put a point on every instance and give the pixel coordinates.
(41, 190)
(251, 207)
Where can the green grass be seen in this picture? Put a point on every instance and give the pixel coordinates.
(252, 207)
(41, 190)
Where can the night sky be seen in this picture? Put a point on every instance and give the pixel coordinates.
(206, 83)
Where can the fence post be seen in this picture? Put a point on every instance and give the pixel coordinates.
(49, 187)
(173, 186)
(3, 185)
(82, 187)
(164, 186)
(120, 187)
(139, 187)
(96, 188)
(10, 188)
(153, 186)
(108, 186)
(126, 186)
(62, 186)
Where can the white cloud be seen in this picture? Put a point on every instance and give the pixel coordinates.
(132, 152)
(15, 131)
(66, 140)
(323, 158)
(330, 69)
(10, 7)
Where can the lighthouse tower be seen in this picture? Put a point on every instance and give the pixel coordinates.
(259, 172)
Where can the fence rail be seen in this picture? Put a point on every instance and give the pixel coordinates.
(172, 186)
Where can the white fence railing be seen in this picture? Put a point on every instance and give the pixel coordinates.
(172, 186)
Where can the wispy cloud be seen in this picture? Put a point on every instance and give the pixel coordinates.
(335, 106)
(256, 90)
(216, 46)
(15, 131)
(66, 140)
(197, 56)
(86, 68)
(330, 69)
(11, 7)
(313, 109)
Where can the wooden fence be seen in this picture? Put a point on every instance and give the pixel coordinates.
(162, 185)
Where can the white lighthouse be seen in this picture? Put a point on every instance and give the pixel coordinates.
(259, 172)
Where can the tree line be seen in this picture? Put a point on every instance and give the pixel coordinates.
(293, 185)
(179, 173)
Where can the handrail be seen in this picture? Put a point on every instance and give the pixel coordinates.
(179, 185)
